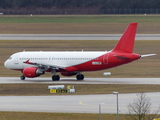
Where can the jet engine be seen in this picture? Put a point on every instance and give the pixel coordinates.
(68, 73)
(32, 72)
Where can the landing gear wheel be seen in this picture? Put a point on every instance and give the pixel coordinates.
(55, 77)
(80, 77)
(22, 77)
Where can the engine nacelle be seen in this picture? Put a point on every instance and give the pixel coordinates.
(68, 73)
(32, 72)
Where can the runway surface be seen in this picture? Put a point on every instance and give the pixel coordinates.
(85, 81)
(74, 36)
(73, 103)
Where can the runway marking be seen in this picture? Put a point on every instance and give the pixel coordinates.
(81, 102)
(104, 105)
(96, 104)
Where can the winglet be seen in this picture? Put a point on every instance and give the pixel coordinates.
(126, 43)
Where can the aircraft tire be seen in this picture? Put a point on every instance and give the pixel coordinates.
(55, 77)
(80, 77)
(22, 77)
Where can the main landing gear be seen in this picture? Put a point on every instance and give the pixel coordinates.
(80, 77)
(55, 77)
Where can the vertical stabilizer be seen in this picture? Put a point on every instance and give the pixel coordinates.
(126, 43)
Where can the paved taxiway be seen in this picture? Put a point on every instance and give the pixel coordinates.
(74, 36)
(73, 103)
(85, 81)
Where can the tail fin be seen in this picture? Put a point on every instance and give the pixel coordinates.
(126, 43)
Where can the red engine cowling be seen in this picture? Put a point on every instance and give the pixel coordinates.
(32, 72)
(68, 73)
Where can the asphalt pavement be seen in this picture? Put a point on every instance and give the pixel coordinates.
(74, 103)
(74, 36)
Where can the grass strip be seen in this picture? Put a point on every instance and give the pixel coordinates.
(81, 19)
(55, 116)
(81, 24)
(58, 116)
(81, 89)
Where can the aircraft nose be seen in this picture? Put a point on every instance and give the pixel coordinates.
(6, 63)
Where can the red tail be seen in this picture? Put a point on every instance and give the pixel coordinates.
(126, 43)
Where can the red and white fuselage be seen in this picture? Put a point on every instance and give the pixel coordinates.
(70, 61)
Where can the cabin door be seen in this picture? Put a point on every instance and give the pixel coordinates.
(105, 58)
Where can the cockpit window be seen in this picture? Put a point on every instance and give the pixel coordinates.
(10, 58)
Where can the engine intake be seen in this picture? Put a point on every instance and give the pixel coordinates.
(32, 72)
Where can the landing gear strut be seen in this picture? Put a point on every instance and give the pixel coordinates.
(55, 77)
(80, 77)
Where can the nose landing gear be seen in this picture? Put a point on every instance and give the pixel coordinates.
(22, 77)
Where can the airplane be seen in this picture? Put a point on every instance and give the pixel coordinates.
(34, 64)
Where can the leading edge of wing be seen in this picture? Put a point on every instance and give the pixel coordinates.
(44, 65)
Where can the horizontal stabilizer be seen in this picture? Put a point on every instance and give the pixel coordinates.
(121, 57)
(148, 55)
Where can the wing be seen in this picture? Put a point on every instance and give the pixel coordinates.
(45, 66)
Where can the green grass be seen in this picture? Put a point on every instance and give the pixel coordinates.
(78, 24)
(56, 116)
(81, 89)
(81, 19)
(59, 116)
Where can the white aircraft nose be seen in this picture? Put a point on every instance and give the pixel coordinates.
(6, 63)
